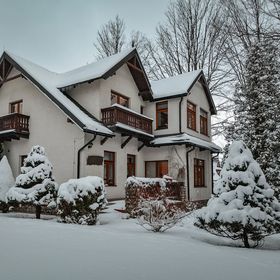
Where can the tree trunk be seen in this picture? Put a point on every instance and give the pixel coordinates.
(38, 211)
(245, 239)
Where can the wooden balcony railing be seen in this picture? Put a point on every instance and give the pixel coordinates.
(17, 122)
(115, 114)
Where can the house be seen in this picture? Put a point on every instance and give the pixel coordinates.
(108, 119)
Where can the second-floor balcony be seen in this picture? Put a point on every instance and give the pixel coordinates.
(120, 114)
(14, 126)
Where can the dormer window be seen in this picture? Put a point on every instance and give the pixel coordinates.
(16, 107)
(203, 122)
(162, 115)
(191, 115)
(119, 99)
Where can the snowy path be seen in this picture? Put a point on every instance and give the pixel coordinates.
(121, 250)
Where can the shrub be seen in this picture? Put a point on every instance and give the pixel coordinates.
(80, 200)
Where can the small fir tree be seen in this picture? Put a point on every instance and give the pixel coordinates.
(244, 206)
(35, 185)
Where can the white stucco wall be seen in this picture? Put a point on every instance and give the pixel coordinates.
(48, 127)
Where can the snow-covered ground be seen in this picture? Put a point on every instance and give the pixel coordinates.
(119, 249)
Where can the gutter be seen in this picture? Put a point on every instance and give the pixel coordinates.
(187, 167)
(180, 114)
(79, 155)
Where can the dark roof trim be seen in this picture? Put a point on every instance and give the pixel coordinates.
(46, 92)
(205, 87)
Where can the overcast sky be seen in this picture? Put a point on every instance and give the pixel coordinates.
(59, 34)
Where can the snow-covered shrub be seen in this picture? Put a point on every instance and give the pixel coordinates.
(158, 215)
(80, 200)
(6, 182)
(244, 206)
(35, 185)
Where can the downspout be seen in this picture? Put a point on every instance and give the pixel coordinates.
(180, 115)
(79, 155)
(212, 171)
(187, 167)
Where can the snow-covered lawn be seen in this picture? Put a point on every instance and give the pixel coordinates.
(121, 250)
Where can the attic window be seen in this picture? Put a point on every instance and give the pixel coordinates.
(203, 122)
(16, 107)
(119, 99)
(191, 115)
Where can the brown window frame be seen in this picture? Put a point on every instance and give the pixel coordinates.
(191, 114)
(131, 165)
(199, 173)
(161, 111)
(157, 162)
(119, 96)
(108, 163)
(203, 122)
(19, 106)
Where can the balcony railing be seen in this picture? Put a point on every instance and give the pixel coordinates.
(117, 114)
(17, 122)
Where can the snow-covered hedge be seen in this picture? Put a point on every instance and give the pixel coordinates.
(138, 189)
(244, 206)
(35, 185)
(6, 181)
(80, 200)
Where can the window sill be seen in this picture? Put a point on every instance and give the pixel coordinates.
(200, 187)
(113, 186)
(161, 128)
(193, 129)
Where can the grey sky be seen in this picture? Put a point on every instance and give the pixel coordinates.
(59, 34)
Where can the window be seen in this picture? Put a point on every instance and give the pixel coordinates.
(142, 109)
(16, 107)
(199, 177)
(191, 115)
(203, 122)
(21, 161)
(109, 168)
(162, 115)
(131, 162)
(156, 169)
(119, 99)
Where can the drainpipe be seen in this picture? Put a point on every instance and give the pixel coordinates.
(212, 171)
(79, 155)
(187, 167)
(180, 115)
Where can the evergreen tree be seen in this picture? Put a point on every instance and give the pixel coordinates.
(35, 185)
(244, 206)
(257, 102)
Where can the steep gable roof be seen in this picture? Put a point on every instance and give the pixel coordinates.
(181, 85)
(46, 81)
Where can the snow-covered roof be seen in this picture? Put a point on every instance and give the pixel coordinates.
(185, 138)
(175, 85)
(132, 129)
(93, 70)
(47, 82)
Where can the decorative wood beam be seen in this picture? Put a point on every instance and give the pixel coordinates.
(102, 142)
(135, 67)
(141, 147)
(126, 141)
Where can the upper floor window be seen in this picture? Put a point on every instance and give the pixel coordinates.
(199, 173)
(191, 115)
(119, 99)
(203, 122)
(162, 115)
(16, 107)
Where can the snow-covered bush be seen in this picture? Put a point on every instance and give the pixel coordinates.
(6, 182)
(80, 200)
(244, 206)
(158, 215)
(35, 185)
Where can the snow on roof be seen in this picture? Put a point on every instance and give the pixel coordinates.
(187, 139)
(93, 70)
(49, 81)
(175, 85)
(127, 127)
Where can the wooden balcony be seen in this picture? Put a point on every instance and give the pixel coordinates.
(14, 126)
(119, 114)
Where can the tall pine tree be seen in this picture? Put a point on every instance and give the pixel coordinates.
(257, 103)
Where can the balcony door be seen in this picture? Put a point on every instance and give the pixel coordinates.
(16, 107)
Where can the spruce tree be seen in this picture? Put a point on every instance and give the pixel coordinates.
(244, 206)
(35, 185)
(257, 103)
